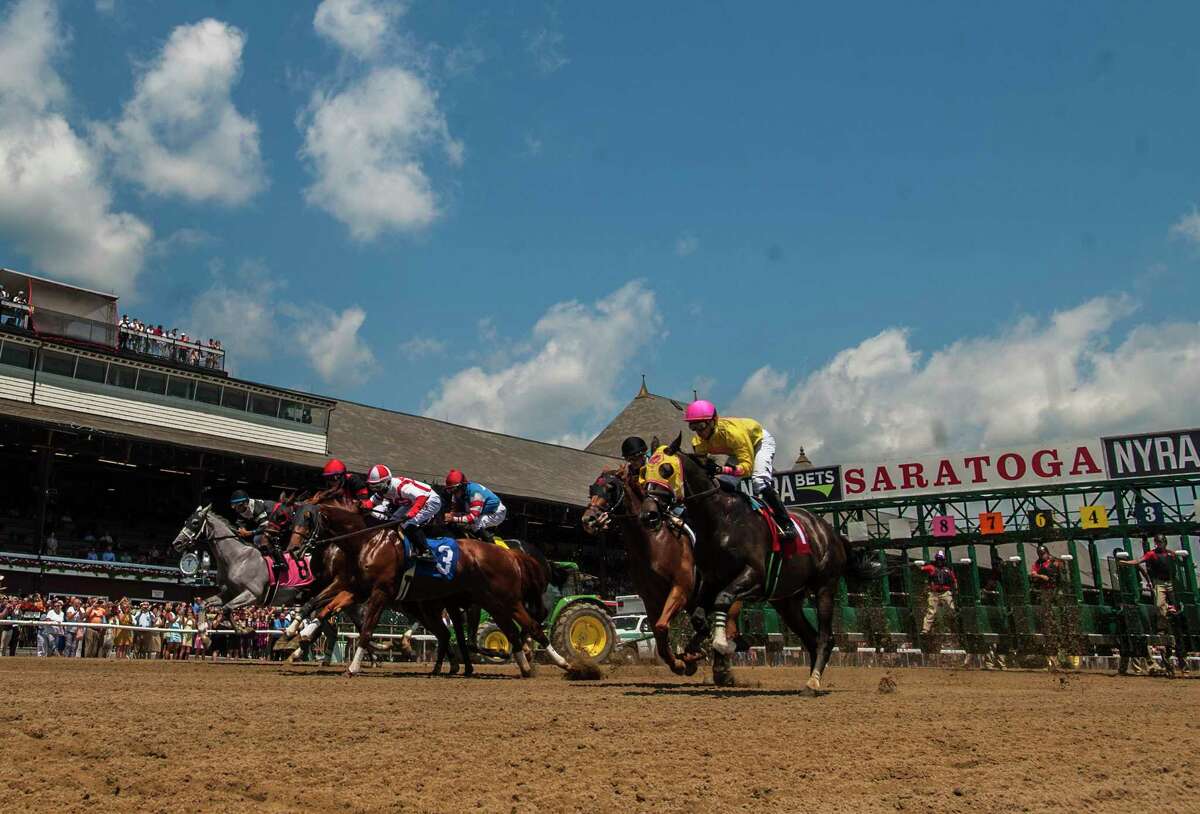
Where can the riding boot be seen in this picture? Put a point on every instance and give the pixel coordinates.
(417, 542)
(782, 518)
(280, 562)
(486, 535)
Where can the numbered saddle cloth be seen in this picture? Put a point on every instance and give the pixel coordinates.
(299, 571)
(446, 554)
(788, 548)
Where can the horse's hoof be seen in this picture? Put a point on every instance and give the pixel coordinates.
(724, 678)
(813, 683)
(690, 668)
(453, 671)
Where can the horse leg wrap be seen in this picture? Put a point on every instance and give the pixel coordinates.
(720, 641)
(293, 628)
(558, 660)
(307, 632)
(356, 665)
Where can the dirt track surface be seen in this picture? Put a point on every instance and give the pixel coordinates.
(152, 736)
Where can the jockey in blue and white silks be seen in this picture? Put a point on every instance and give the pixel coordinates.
(473, 505)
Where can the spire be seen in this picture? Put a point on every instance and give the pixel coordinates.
(643, 392)
(802, 461)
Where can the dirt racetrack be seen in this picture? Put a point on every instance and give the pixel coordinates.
(151, 736)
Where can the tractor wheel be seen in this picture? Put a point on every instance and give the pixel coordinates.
(492, 641)
(584, 631)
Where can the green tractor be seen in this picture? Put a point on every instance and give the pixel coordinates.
(578, 625)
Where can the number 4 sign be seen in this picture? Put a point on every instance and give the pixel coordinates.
(1093, 517)
(942, 525)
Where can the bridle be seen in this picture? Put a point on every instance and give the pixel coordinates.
(611, 487)
(202, 533)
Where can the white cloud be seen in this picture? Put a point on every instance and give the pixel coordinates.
(545, 45)
(106, 6)
(565, 383)
(420, 347)
(366, 146)
(1072, 375)
(243, 311)
(687, 244)
(1188, 227)
(334, 348)
(180, 134)
(359, 27)
(54, 204)
(533, 145)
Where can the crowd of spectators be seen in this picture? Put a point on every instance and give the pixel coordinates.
(14, 308)
(173, 344)
(173, 630)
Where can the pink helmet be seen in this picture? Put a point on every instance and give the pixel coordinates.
(700, 410)
(378, 474)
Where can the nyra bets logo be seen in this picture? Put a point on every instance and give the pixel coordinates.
(818, 485)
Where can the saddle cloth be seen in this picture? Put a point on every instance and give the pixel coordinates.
(446, 555)
(299, 572)
(797, 545)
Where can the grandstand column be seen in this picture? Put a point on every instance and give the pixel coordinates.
(45, 461)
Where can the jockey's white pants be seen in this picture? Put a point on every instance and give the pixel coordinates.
(764, 464)
(428, 511)
(490, 521)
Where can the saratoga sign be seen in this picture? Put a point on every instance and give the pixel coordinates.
(975, 471)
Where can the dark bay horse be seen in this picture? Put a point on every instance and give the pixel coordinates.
(733, 553)
(507, 584)
(661, 562)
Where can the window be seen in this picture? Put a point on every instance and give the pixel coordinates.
(264, 405)
(90, 370)
(61, 364)
(16, 355)
(180, 388)
(315, 416)
(234, 399)
(121, 376)
(208, 393)
(151, 382)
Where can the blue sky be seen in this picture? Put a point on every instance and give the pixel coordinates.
(841, 220)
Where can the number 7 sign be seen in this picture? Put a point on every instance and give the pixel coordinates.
(991, 522)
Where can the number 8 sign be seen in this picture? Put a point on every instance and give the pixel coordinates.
(942, 525)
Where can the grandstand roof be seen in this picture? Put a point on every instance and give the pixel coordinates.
(646, 416)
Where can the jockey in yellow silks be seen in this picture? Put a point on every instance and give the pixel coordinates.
(750, 446)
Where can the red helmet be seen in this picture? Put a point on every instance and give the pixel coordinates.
(455, 478)
(378, 474)
(334, 469)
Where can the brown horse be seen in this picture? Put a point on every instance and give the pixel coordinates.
(661, 562)
(377, 572)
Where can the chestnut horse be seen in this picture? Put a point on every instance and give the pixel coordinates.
(507, 584)
(661, 562)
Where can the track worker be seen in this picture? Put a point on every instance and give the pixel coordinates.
(750, 446)
(473, 506)
(942, 585)
(406, 500)
(1160, 567)
(1046, 570)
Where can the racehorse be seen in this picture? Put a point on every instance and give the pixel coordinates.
(242, 573)
(661, 562)
(378, 572)
(734, 553)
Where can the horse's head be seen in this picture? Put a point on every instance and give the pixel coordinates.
(662, 482)
(605, 496)
(194, 529)
(305, 520)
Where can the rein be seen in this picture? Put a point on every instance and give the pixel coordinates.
(389, 524)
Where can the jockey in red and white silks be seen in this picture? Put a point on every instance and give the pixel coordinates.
(400, 498)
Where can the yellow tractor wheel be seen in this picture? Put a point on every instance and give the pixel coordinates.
(493, 644)
(584, 631)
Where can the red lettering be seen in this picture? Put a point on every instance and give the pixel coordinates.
(1042, 471)
(883, 482)
(913, 476)
(976, 463)
(855, 485)
(946, 475)
(1083, 457)
(1003, 462)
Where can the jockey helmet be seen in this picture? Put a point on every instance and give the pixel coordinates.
(238, 496)
(455, 479)
(633, 447)
(378, 477)
(334, 469)
(700, 410)
(939, 556)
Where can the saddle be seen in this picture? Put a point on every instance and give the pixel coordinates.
(796, 545)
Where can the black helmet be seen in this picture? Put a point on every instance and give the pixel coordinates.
(239, 496)
(633, 446)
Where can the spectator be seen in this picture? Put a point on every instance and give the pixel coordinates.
(942, 585)
(108, 554)
(143, 641)
(51, 544)
(93, 638)
(74, 635)
(10, 608)
(51, 640)
(92, 554)
(123, 637)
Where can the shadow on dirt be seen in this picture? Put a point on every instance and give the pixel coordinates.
(709, 691)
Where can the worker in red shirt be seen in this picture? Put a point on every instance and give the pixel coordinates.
(942, 585)
(1046, 570)
(1160, 567)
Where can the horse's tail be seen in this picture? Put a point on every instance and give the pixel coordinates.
(534, 577)
(860, 564)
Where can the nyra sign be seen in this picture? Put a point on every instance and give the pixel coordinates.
(975, 471)
(1160, 453)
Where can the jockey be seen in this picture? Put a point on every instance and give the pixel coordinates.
(635, 452)
(254, 524)
(751, 447)
(399, 498)
(355, 488)
(473, 506)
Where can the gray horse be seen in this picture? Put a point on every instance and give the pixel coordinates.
(242, 572)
